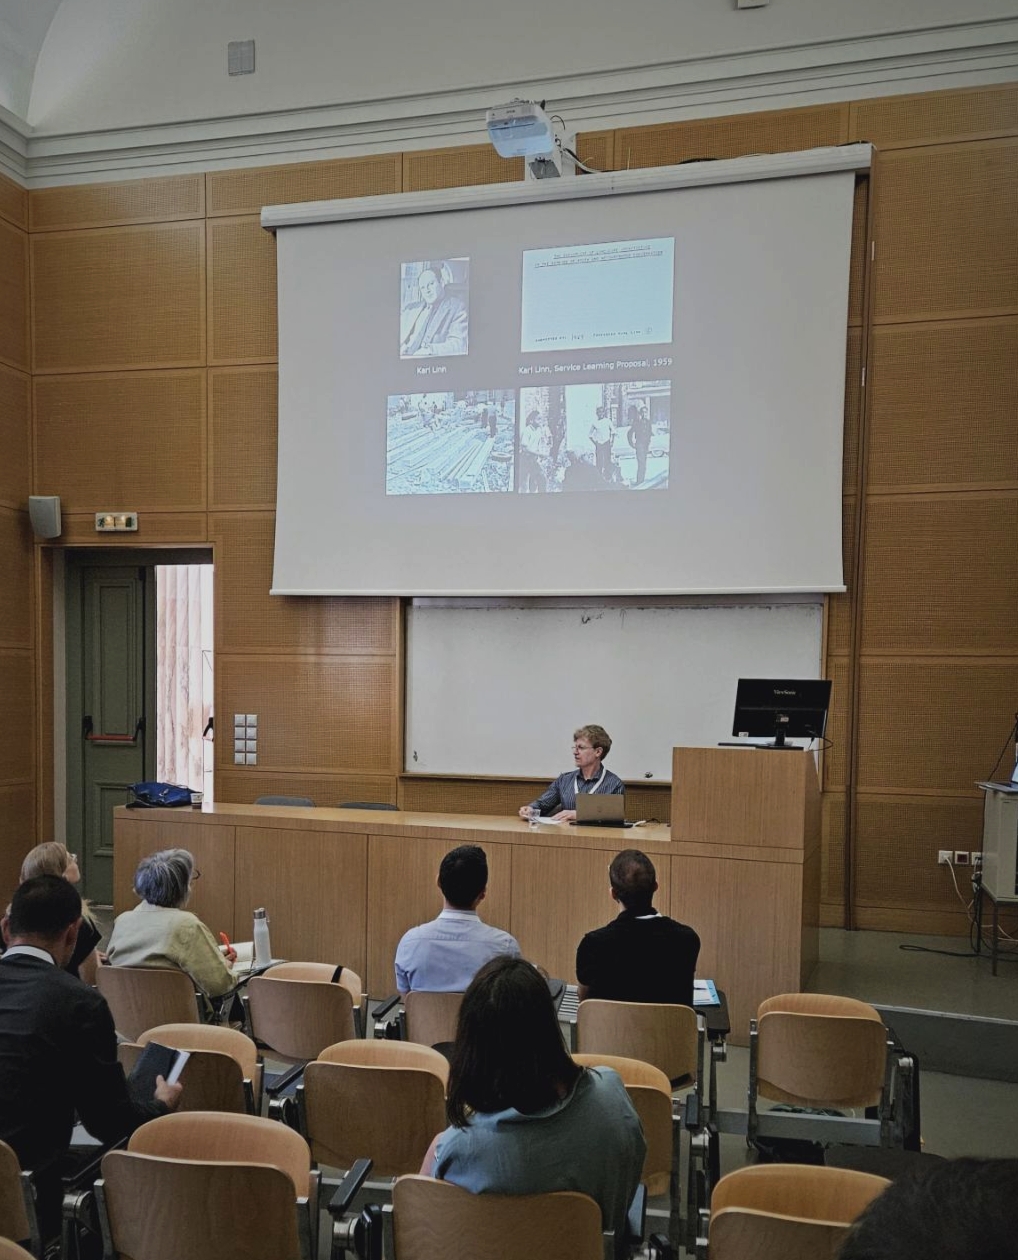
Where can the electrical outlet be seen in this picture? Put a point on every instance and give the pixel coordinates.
(977, 859)
(961, 857)
(945, 857)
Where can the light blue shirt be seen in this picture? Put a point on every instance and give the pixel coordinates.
(443, 956)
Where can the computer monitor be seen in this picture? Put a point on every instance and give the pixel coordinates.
(782, 708)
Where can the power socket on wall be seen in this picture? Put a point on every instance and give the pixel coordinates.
(945, 857)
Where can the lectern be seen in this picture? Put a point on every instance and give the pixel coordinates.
(746, 869)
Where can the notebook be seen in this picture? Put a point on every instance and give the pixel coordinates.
(600, 810)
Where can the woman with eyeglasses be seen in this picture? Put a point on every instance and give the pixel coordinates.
(52, 858)
(161, 933)
(591, 744)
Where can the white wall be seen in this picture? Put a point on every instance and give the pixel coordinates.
(108, 62)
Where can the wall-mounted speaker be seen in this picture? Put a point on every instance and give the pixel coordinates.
(44, 513)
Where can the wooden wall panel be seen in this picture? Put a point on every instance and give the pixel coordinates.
(15, 438)
(942, 405)
(161, 200)
(17, 833)
(839, 607)
(458, 167)
(15, 580)
(242, 437)
(131, 440)
(597, 149)
(832, 848)
(17, 731)
(249, 619)
(769, 131)
(316, 715)
(897, 840)
(932, 726)
(246, 191)
(941, 575)
(859, 256)
(112, 298)
(244, 785)
(947, 232)
(963, 114)
(452, 795)
(242, 291)
(13, 203)
(14, 326)
(317, 905)
(155, 529)
(835, 768)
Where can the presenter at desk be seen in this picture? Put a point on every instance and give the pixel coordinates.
(591, 744)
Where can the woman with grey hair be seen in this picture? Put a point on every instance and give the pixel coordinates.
(161, 933)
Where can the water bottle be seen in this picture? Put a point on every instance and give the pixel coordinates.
(260, 936)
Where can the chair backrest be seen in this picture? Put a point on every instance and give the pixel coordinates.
(366, 805)
(14, 1222)
(11, 1251)
(209, 1135)
(304, 801)
(380, 1100)
(816, 1049)
(787, 1211)
(433, 1220)
(322, 973)
(430, 1018)
(142, 997)
(163, 1209)
(213, 1077)
(650, 1092)
(654, 1032)
(299, 1018)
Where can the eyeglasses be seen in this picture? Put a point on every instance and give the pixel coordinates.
(195, 875)
(72, 859)
(582, 747)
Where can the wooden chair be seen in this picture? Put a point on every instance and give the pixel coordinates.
(11, 1251)
(819, 1050)
(322, 973)
(210, 1186)
(223, 1072)
(667, 1036)
(434, 1220)
(377, 1100)
(787, 1211)
(430, 1018)
(17, 1202)
(142, 997)
(650, 1092)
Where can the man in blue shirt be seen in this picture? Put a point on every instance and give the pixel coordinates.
(591, 744)
(443, 956)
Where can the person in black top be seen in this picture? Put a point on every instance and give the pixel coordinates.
(641, 956)
(58, 1047)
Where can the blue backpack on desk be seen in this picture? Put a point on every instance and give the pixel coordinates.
(157, 795)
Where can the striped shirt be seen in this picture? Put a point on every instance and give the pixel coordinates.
(562, 793)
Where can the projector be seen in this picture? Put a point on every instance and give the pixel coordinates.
(521, 129)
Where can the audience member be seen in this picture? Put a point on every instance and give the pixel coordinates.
(591, 744)
(161, 933)
(58, 1048)
(52, 858)
(524, 1118)
(443, 956)
(952, 1209)
(641, 956)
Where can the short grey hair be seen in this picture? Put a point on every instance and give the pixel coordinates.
(164, 878)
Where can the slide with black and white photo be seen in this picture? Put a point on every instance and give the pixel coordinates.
(434, 308)
(451, 443)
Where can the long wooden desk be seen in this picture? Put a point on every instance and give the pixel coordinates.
(342, 885)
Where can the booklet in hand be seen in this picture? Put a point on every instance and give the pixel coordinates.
(156, 1060)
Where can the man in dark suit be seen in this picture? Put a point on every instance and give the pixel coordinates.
(58, 1047)
(641, 956)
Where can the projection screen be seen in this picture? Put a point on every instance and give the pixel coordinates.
(620, 384)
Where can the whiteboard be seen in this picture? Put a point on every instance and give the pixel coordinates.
(496, 689)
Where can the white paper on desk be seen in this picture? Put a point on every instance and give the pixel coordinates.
(245, 957)
(555, 822)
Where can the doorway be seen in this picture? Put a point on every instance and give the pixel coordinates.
(138, 679)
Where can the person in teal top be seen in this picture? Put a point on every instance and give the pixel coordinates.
(524, 1118)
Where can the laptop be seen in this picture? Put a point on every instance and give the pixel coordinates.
(1011, 787)
(597, 809)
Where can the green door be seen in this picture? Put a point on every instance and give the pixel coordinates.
(110, 659)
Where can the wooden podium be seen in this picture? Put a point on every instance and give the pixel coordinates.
(746, 869)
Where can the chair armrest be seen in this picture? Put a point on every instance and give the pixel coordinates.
(361, 1234)
(692, 1114)
(348, 1187)
(384, 1027)
(661, 1248)
(285, 1080)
